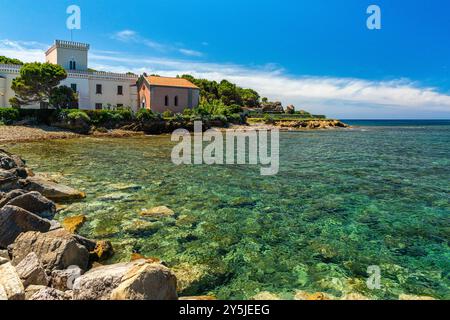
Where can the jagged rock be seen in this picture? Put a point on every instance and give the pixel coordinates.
(48, 294)
(9, 196)
(56, 249)
(73, 224)
(35, 203)
(8, 180)
(31, 271)
(16, 160)
(32, 290)
(127, 281)
(272, 106)
(147, 282)
(54, 225)
(4, 254)
(64, 279)
(3, 260)
(52, 190)
(15, 220)
(10, 283)
(157, 212)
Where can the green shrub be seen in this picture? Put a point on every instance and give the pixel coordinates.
(9, 115)
(268, 119)
(147, 115)
(168, 114)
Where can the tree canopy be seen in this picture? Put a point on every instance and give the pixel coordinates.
(36, 83)
(6, 60)
(226, 92)
(63, 97)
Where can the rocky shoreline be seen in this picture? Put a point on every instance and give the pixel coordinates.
(40, 259)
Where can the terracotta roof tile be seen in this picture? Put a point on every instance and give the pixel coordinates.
(170, 82)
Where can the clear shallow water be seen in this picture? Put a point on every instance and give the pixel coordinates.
(343, 200)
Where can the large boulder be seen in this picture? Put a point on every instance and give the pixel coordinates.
(57, 250)
(147, 282)
(136, 280)
(51, 190)
(11, 286)
(15, 220)
(272, 107)
(9, 196)
(31, 271)
(35, 203)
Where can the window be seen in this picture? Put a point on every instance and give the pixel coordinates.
(98, 106)
(72, 65)
(120, 90)
(166, 101)
(98, 89)
(74, 87)
(176, 101)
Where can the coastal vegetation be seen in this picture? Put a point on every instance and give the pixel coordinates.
(6, 60)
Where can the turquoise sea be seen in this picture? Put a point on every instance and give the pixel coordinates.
(376, 194)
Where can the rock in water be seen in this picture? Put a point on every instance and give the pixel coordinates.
(10, 285)
(158, 212)
(15, 220)
(147, 282)
(134, 280)
(56, 249)
(31, 271)
(52, 190)
(73, 224)
(35, 203)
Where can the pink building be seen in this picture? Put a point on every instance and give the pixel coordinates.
(161, 94)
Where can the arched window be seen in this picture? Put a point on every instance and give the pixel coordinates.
(143, 103)
(176, 101)
(166, 101)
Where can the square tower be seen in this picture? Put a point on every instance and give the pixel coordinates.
(69, 55)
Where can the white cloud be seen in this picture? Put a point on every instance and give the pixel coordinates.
(335, 97)
(133, 36)
(191, 53)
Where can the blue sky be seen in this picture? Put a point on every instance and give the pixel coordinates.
(318, 55)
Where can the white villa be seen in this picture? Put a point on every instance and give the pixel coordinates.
(99, 90)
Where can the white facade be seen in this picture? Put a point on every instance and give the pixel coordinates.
(95, 89)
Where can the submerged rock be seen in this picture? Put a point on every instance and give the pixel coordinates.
(157, 212)
(31, 271)
(56, 249)
(15, 220)
(11, 286)
(414, 297)
(52, 190)
(265, 295)
(198, 298)
(73, 224)
(303, 295)
(35, 203)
